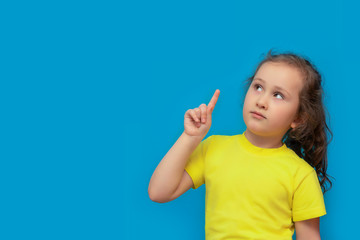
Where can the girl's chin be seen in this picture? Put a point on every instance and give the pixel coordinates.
(256, 131)
(259, 130)
(255, 127)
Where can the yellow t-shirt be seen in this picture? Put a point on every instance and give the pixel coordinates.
(252, 192)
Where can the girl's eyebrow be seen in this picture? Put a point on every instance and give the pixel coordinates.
(276, 87)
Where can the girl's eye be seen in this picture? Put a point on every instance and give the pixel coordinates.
(279, 96)
(257, 86)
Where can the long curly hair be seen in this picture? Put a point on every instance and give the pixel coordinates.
(309, 140)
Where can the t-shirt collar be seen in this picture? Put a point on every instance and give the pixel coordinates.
(259, 150)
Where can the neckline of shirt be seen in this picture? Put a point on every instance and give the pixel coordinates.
(248, 146)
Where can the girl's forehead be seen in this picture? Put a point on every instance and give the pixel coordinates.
(277, 66)
(278, 71)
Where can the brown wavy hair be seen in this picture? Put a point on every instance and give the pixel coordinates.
(309, 140)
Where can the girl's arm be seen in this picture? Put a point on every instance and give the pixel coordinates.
(308, 229)
(168, 174)
(170, 179)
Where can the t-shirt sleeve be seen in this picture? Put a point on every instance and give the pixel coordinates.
(195, 165)
(308, 200)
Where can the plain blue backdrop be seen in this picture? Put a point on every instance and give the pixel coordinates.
(93, 95)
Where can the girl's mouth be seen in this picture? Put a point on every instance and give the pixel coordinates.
(258, 115)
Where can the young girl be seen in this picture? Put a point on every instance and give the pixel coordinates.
(263, 183)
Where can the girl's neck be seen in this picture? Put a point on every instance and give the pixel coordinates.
(263, 141)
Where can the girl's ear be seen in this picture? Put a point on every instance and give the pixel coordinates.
(297, 121)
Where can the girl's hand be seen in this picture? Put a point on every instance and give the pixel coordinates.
(197, 121)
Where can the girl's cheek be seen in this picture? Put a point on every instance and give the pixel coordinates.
(277, 102)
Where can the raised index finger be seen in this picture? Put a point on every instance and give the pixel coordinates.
(214, 99)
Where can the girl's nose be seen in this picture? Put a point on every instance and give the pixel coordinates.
(262, 103)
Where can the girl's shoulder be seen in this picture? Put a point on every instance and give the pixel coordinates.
(297, 161)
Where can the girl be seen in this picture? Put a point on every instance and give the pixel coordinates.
(263, 183)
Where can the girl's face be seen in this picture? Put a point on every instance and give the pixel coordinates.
(272, 100)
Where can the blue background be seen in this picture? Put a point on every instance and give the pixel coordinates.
(93, 95)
